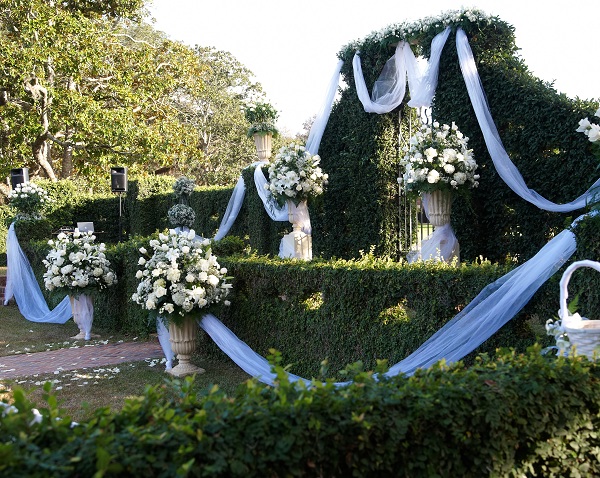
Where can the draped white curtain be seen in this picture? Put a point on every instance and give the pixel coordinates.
(82, 308)
(505, 167)
(23, 286)
(390, 88)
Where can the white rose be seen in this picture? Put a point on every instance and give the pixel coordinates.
(169, 308)
(141, 261)
(139, 274)
(433, 177)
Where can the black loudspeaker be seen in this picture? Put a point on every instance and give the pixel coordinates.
(118, 180)
(18, 176)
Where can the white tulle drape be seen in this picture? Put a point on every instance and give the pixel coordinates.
(23, 286)
(163, 338)
(505, 167)
(233, 209)
(318, 127)
(82, 308)
(390, 88)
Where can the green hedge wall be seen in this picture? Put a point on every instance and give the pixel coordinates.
(342, 311)
(144, 210)
(509, 417)
(536, 124)
(367, 309)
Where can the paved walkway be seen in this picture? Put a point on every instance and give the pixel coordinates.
(100, 355)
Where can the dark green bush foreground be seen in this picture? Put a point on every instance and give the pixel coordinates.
(516, 415)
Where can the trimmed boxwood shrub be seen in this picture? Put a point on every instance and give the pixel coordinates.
(516, 415)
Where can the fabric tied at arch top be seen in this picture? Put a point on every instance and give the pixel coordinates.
(390, 88)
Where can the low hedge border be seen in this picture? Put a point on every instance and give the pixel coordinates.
(342, 311)
(513, 416)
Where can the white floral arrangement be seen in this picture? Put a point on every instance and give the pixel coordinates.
(77, 263)
(592, 131)
(438, 157)
(181, 276)
(295, 174)
(407, 30)
(29, 199)
(181, 215)
(555, 329)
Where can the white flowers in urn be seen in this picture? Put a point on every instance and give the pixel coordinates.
(29, 199)
(295, 175)
(77, 263)
(180, 277)
(437, 158)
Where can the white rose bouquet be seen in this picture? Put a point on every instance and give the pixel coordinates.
(29, 199)
(437, 157)
(77, 263)
(295, 174)
(180, 277)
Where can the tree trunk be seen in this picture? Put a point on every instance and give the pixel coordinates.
(40, 146)
(67, 159)
(40, 154)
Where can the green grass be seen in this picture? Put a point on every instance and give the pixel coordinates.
(81, 391)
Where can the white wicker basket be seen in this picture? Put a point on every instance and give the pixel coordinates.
(584, 334)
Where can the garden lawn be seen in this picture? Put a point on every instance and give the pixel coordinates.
(81, 391)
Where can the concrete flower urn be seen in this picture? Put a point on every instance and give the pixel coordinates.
(183, 340)
(263, 142)
(439, 206)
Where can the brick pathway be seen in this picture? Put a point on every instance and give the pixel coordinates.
(22, 365)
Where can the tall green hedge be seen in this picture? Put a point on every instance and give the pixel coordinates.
(537, 126)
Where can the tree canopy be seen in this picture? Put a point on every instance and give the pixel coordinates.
(85, 85)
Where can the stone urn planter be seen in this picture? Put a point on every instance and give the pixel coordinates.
(263, 142)
(183, 340)
(438, 205)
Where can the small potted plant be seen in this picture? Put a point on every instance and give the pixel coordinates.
(262, 118)
(438, 164)
(181, 215)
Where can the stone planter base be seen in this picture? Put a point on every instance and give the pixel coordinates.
(183, 340)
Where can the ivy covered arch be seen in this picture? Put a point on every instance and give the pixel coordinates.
(537, 125)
